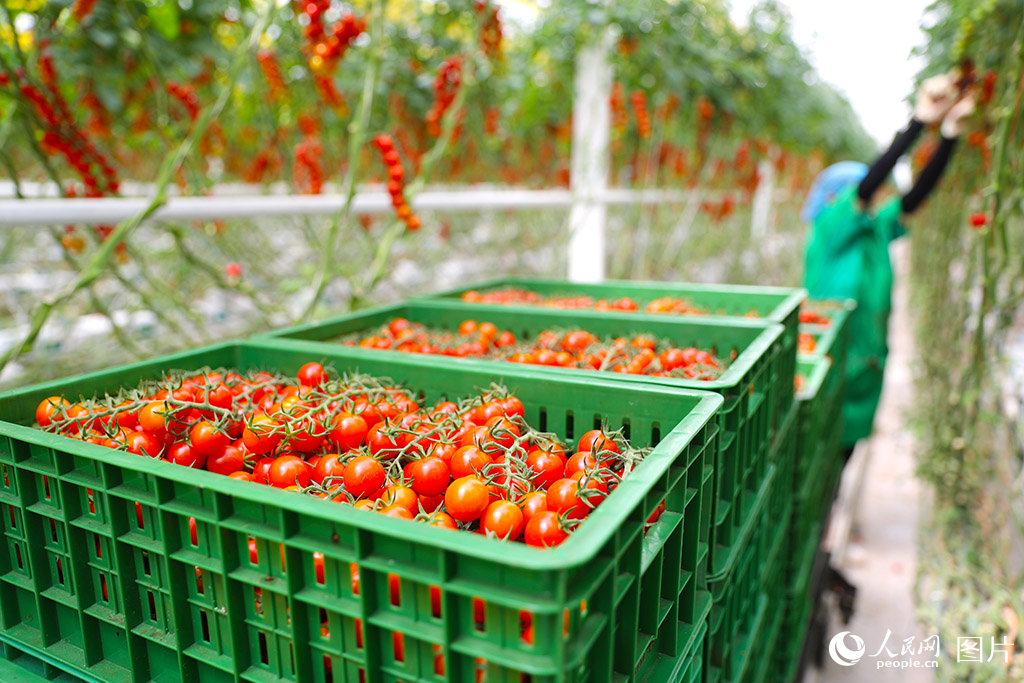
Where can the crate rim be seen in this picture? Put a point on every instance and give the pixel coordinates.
(770, 332)
(794, 296)
(575, 551)
(820, 367)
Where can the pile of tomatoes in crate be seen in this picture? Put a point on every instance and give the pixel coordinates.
(476, 465)
(524, 297)
(571, 348)
(806, 343)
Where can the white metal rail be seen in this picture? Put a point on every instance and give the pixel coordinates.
(31, 212)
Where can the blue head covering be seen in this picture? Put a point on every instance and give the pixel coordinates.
(829, 183)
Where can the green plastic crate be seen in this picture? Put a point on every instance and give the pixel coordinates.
(748, 385)
(833, 337)
(798, 606)
(777, 304)
(813, 415)
(690, 667)
(740, 604)
(174, 611)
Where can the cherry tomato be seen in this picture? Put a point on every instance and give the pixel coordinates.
(563, 498)
(329, 469)
(152, 418)
(598, 443)
(468, 460)
(544, 530)
(288, 470)
(402, 496)
(430, 476)
(312, 375)
(532, 503)
(206, 440)
(228, 461)
(580, 462)
(363, 476)
(397, 511)
(466, 499)
(513, 407)
(143, 443)
(48, 408)
(262, 434)
(442, 520)
(183, 454)
(503, 519)
(347, 431)
(546, 467)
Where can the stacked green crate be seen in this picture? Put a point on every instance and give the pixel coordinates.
(777, 304)
(748, 385)
(101, 578)
(746, 620)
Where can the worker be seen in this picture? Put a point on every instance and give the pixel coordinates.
(848, 248)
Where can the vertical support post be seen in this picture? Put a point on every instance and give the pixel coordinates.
(591, 127)
(761, 206)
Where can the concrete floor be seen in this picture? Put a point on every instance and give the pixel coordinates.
(881, 554)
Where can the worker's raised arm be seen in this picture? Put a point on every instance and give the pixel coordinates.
(952, 128)
(934, 99)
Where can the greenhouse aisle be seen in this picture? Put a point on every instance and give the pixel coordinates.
(881, 556)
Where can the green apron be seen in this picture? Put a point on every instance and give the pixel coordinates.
(848, 257)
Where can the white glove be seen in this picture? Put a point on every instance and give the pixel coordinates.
(955, 123)
(936, 96)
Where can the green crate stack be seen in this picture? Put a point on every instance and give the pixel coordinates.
(100, 577)
(748, 385)
(832, 341)
(741, 618)
(690, 667)
(797, 607)
(777, 304)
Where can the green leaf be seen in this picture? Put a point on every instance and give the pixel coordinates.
(164, 16)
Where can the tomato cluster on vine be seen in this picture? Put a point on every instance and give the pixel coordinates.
(186, 94)
(272, 74)
(490, 27)
(396, 181)
(579, 349)
(325, 46)
(307, 169)
(81, 9)
(518, 296)
(476, 465)
(643, 117)
(446, 86)
(62, 136)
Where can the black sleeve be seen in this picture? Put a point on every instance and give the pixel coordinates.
(929, 177)
(880, 170)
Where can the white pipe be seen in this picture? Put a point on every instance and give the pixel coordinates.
(108, 210)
